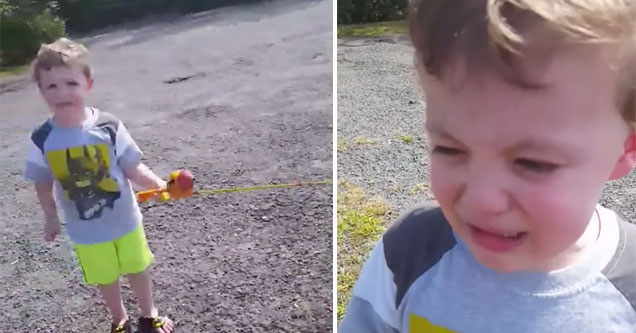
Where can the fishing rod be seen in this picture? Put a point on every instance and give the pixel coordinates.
(181, 185)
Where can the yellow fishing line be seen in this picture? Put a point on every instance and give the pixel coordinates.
(262, 187)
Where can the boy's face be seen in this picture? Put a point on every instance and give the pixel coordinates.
(64, 89)
(518, 172)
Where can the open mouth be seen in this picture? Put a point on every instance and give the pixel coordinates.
(496, 240)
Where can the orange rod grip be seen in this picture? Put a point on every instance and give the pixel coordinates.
(148, 195)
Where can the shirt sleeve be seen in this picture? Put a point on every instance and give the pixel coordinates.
(372, 305)
(37, 168)
(128, 153)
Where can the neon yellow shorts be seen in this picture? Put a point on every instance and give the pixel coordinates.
(104, 263)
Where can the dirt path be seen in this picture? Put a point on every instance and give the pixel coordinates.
(240, 96)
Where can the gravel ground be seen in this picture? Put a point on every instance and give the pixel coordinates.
(240, 96)
(378, 98)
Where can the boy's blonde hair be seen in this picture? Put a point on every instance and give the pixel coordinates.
(62, 52)
(490, 33)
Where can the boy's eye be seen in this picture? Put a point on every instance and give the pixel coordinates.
(72, 83)
(52, 86)
(446, 150)
(536, 166)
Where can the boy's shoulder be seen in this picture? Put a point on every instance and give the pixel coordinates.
(41, 133)
(621, 270)
(104, 117)
(415, 243)
(107, 122)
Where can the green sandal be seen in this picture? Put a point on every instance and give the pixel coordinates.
(124, 328)
(152, 325)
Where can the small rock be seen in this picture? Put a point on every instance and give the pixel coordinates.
(297, 314)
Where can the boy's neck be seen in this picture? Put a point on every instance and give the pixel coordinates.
(582, 247)
(71, 119)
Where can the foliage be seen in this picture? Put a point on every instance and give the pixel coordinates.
(24, 25)
(368, 11)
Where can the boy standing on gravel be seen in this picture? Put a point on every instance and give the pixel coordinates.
(530, 109)
(89, 158)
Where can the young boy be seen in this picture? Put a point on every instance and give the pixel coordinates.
(530, 110)
(89, 158)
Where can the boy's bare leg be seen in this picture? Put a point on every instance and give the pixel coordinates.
(112, 297)
(141, 286)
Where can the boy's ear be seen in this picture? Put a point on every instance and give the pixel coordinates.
(627, 161)
(90, 83)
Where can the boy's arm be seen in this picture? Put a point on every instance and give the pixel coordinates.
(372, 305)
(44, 192)
(129, 159)
(142, 176)
(38, 171)
(52, 225)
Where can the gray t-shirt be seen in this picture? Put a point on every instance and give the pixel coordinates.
(86, 165)
(422, 278)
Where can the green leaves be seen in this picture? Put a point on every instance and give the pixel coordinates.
(24, 25)
(368, 11)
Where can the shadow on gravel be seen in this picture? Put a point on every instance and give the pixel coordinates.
(366, 41)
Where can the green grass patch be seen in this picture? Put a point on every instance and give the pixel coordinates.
(405, 138)
(342, 145)
(7, 72)
(364, 141)
(360, 224)
(418, 188)
(373, 29)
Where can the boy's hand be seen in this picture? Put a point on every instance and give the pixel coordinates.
(52, 229)
(161, 185)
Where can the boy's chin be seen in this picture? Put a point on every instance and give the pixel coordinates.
(66, 110)
(502, 263)
(500, 266)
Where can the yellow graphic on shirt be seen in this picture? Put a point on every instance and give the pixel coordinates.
(84, 173)
(422, 325)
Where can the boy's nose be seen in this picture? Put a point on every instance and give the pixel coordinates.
(484, 196)
(64, 91)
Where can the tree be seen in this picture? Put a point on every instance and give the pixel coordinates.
(24, 26)
(367, 11)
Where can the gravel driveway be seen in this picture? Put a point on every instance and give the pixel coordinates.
(378, 99)
(240, 96)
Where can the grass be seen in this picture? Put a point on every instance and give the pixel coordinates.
(360, 224)
(405, 138)
(373, 29)
(364, 141)
(7, 72)
(342, 145)
(418, 188)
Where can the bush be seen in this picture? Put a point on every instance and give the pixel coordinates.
(25, 24)
(86, 15)
(23, 30)
(368, 11)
